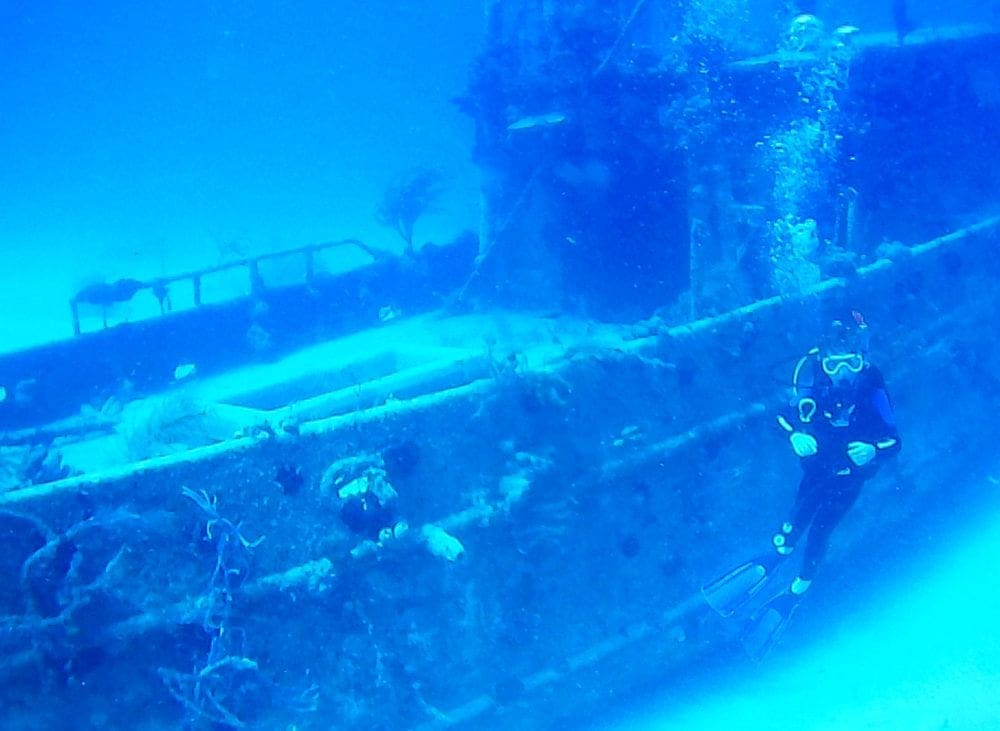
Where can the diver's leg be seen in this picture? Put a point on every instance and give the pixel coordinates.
(843, 492)
(823, 502)
(807, 502)
(734, 589)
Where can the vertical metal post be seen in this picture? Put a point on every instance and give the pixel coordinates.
(310, 265)
(75, 307)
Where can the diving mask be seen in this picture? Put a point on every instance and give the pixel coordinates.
(842, 364)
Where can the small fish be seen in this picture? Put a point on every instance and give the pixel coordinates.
(185, 370)
(540, 120)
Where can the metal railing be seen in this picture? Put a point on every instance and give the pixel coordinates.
(107, 294)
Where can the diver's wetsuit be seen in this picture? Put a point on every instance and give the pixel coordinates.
(858, 412)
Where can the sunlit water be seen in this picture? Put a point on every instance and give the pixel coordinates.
(922, 653)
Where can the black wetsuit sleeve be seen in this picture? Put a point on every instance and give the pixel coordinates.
(882, 429)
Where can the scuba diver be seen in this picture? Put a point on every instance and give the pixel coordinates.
(841, 426)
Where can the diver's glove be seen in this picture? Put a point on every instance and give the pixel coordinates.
(804, 445)
(861, 453)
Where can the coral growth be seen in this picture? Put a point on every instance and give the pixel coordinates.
(408, 198)
(229, 690)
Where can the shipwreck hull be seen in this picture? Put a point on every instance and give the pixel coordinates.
(567, 488)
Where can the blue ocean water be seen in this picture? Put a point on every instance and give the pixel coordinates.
(416, 365)
(145, 141)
